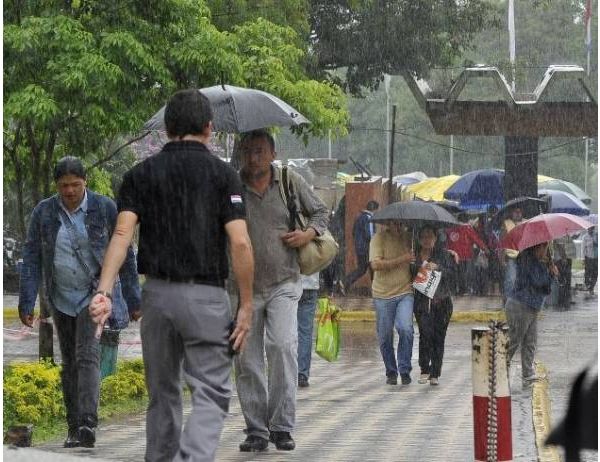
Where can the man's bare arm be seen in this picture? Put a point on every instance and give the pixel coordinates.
(242, 261)
(100, 306)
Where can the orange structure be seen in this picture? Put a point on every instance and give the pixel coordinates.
(358, 193)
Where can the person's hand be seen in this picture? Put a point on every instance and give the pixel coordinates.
(298, 238)
(26, 319)
(409, 257)
(135, 315)
(553, 269)
(431, 266)
(242, 327)
(454, 255)
(100, 308)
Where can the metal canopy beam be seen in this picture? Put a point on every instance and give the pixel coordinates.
(474, 118)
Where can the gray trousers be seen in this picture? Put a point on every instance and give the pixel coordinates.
(522, 332)
(268, 400)
(185, 324)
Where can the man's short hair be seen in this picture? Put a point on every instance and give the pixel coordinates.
(258, 134)
(188, 112)
(372, 206)
(69, 165)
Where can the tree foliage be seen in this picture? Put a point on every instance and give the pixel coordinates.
(79, 75)
(369, 38)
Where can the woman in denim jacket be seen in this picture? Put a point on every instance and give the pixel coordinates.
(535, 271)
(67, 236)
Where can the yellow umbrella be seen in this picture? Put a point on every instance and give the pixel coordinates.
(432, 188)
(542, 178)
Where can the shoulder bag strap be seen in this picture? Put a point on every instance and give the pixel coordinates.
(74, 243)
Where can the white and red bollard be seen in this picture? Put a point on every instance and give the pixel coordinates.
(491, 394)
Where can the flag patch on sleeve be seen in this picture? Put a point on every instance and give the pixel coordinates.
(236, 199)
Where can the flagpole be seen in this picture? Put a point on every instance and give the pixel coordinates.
(588, 45)
(512, 41)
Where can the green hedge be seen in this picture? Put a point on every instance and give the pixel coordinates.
(32, 391)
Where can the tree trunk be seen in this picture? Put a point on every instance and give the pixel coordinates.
(20, 182)
(35, 165)
(47, 169)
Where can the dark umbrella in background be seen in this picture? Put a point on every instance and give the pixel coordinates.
(237, 110)
(563, 202)
(478, 189)
(530, 206)
(415, 213)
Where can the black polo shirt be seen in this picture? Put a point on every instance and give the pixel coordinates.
(183, 198)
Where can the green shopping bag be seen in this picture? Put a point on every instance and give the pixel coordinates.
(328, 331)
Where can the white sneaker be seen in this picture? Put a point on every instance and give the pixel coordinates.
(434, 381)
(423, 378)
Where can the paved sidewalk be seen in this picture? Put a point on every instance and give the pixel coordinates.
(349, 414)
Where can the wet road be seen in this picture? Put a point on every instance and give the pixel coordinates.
(350, 414)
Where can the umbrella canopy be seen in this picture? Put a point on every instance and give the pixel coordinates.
(543, 228)
(566, 186)
(563, 202)
(405, 180)
(415, 213)
(478, 189)
(431, 189)
(531, 206)
(237, 110)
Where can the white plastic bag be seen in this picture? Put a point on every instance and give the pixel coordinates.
(427, 281)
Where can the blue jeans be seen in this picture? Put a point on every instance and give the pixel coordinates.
(306, 316)
(395, 312)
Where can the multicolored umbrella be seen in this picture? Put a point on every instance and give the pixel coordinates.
(543, 228)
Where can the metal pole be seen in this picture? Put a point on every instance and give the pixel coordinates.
(589, 52)
(329, 148)
(391, 156)
(512, 40)
(451, 154)
(386, 80)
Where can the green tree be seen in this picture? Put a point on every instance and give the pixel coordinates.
(368, 38)
(80, 75)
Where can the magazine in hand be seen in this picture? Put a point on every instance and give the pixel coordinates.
(427, 281)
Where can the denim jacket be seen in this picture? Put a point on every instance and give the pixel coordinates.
(533, 282)
(38, 255)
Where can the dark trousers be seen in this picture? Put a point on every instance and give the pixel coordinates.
(363, 265)
(564, 281)
(80, 374)
(591, 273)
(433, 323)
(464, 275)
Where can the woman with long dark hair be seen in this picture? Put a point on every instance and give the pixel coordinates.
(433, 314)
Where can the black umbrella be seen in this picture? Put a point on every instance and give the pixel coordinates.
(237, 110)
(415, 213)
(531, 206)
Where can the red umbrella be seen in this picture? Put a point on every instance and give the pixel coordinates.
(542, 228)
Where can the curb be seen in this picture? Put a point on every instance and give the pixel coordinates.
(11, 314)
(457, 316)
(541, 413)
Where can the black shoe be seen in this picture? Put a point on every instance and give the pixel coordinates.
(254, 444)
(72, 440)
(392, 380)
(302, 381)
(405, 379)
(87, 436)
(283, 441)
